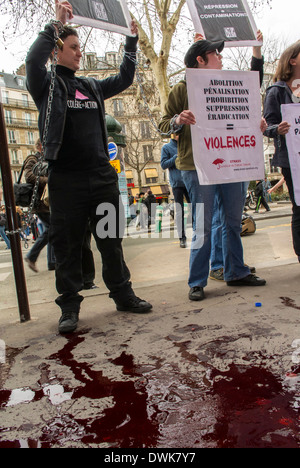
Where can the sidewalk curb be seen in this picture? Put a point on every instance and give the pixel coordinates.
(263, 217)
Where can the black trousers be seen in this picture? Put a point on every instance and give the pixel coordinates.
(42, 241)
(76, 200)
(262, 201)
(179, 194)
(286, 172)
(88, 263)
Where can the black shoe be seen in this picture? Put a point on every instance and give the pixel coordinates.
(68, 322)
(196, 294)
(134, 304)
(250, 280)
(183, 243)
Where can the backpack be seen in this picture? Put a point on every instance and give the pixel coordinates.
(2, 220)
(248, 225)
(23, 192)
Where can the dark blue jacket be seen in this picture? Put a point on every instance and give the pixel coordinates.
(38, 83)
(168, 158)
(277, 94)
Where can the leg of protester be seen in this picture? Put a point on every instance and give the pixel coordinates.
(39, 244)
(286, 172)
(179, 194)
(72, 207)
(4, 236)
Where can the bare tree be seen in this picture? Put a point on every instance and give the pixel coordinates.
(160, 24)
(141, 138)
(158, 21)
(239, 58)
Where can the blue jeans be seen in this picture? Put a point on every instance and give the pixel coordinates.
(42, 241)
(202, 198)
(218, 233)
(4, 236)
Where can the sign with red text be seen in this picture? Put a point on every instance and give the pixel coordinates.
(291, 114)
(227, 20)
(227, 140)
(112, 15)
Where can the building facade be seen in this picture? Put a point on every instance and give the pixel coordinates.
(21, 119)
(136, 109)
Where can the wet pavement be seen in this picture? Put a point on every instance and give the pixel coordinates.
(223, 373)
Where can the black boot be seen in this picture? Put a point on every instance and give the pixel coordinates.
(70, 308)
(68, 322)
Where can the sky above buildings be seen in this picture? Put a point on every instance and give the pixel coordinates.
(281, 20)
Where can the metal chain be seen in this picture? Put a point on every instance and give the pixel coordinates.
(46, 128)
(44, 139)
(132, 57)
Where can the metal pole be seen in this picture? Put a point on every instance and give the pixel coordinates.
(15, 241)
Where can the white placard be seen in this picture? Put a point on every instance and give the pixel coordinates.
(227, 140)
(227, 20)
(112, 15)
(291, 114)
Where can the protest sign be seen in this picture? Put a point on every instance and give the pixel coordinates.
(227, 140)
(227, 20)
(112, 15)
(291, 114)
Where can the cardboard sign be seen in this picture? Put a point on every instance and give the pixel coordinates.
(291, 114)
(227, 20)
(227, 140)
(112, 15)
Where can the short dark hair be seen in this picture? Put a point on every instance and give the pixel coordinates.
(68, 31)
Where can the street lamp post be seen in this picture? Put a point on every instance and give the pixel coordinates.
(12, 221)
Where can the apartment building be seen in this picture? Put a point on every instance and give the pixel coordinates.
(21, 119)
(136, 109)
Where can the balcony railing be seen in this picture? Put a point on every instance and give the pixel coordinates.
(13, 122)
(19, 103)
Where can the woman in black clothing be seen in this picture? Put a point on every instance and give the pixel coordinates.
(284, 91)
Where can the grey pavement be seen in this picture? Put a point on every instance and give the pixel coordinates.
(223, 372)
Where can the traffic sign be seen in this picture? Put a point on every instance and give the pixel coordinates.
(112, 150)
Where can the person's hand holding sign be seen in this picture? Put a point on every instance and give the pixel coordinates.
(283, 128)
(198, 37)
(134, 28)
(64, 11)
(186, 118)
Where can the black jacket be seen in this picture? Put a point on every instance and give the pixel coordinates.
(38, 82)
(258, 65)
(277, 94)
(259, 190)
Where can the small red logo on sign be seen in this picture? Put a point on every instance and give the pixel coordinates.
(218, 162)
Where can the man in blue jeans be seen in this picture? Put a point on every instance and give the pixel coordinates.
(206, 55)
(218, 227)
(168, 161)
(2, 228)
